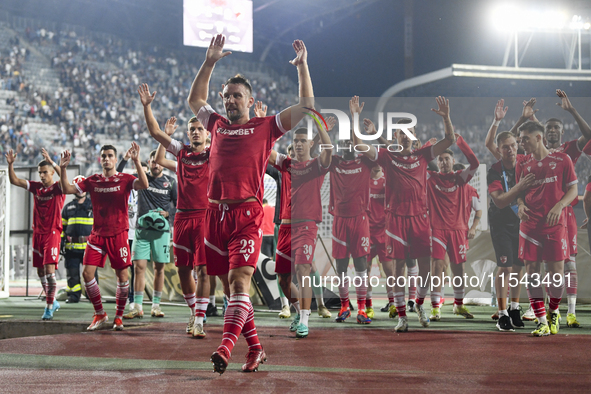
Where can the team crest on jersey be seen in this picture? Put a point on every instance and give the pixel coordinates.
(166, 184)
(552, 165)
(375, 182)
(405, 157)
(413, 157)
(503, 259)
(529, 168)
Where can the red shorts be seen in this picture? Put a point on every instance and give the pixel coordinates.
(408, 236)
(571, 228)
(303, 242)
(377, 245)
(452, 242)
(233, 236)
(549, 244)
(46, 248)
(350, 237)
(187, 238)
(283, 258)
(116, 247)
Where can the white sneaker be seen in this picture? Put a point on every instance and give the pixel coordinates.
(190, 324)
(156, 311)
(423, 319)
(402, 325)
(529, 315)
(285, 312)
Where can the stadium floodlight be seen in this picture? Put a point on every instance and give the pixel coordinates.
(509, 17)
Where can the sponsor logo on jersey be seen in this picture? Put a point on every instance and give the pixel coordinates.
(406, 166)
(193, 163)
(349, 172)
(236, 132)
(376, 195)
(447, 189)
(545, 180)
(158, 191)
(44, 198)
(107, 189)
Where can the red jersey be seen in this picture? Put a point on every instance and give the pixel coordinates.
(306, 179)
(553, 174)
(239, 154)
(47, 211)
(349, 194)
(110, 198)
(284, 166)
(571, 148)
(450, 201)
(376, 211)
(192, 170)
(406, 181)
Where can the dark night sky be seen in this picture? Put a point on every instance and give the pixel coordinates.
(361, 54)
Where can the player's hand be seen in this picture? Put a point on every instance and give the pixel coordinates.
(331, 121)
(46, 155)
(145, 96)
(522, 213)
(526, 182)
(442, 107)
(163, 213)
(433, 140)
(471, 233)
(565, 104)
(135, 151)
(301, 53)
(354, 105)
(500, 112)
(10, 156)
(170, 126)
(528, 109)
(65, 158)
(554, 214)
(370, 128)
(215, 51)
(260, 110)
(584, 225)
(127, 155)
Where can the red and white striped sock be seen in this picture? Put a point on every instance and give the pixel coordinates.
(459, 296)
(536, 300)
(555, 294)
(94, 295)
(50, 294)
(400, 304)
(191, 301)
(344, 292)
(422, 293)
(391, 297)
(412, 272)
(43, 281)
(121, 298)
(361, 290)
(249, 331)
(200, 308)
(234, 319)
(435, 299)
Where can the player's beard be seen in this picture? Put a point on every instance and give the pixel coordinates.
(234, 115)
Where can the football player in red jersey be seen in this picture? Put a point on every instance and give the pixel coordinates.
(47, 224)
(542, 232)
(109, 192)
(554, 130)
(192, 169)
(240, 148)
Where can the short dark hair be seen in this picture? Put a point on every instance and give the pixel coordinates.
(554, 120)
(301, 130)
(289, 147)
(458, 166)
(530, 126)
(449, 152)
(193, 120)
(43, 163)
(265, 201)
(109, 147)
(239, 79)
(153, 153)
(403, 121)
(503, 136)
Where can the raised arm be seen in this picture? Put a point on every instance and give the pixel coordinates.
(583, 125)
(326, 153)
(48, 159)
(123, 161)
(356, 109)
(153, 127)
(443, 111)
(160, 157)
(291, 116)
(490, 140)
(200, 87)
(260, 110)
(473, 162)
(370, 128)
(16, 181)
(142, 180)
(67, 188)
(528, 113)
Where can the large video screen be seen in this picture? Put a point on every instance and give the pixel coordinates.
(202, 19)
